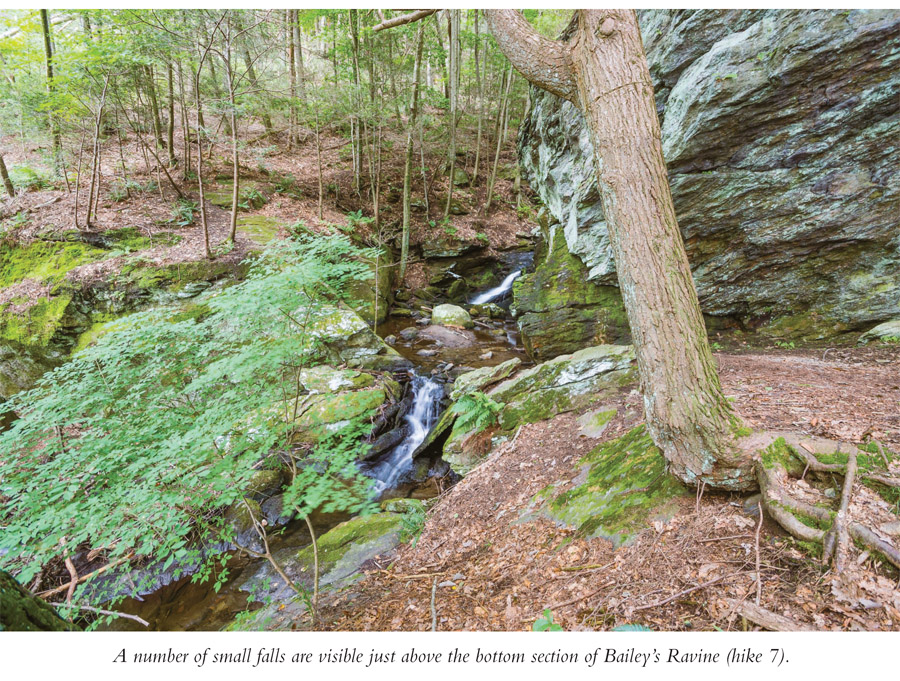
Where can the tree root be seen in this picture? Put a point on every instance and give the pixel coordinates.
(813, 523)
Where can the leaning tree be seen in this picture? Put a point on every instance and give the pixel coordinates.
(602, 69)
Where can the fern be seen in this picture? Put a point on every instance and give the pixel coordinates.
(476, 411)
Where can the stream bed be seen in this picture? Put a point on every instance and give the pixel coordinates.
(438, 355)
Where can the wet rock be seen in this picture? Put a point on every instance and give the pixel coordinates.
(401, 312)
(385, 442)
(486, 355)
(888, 332)
(447, 337)
(391, 339)
(409, 334)
(784, 188)
(326, 379)
(451, 315)
(427, 353)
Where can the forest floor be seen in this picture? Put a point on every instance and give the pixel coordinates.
(497, 568)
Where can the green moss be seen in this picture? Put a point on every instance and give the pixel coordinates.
(142, 274)
(338, 547)
(260, 228)
(329, 414)
(47, 261)
(625, 485)
(100, 327)
(36, 325)
(780, 453)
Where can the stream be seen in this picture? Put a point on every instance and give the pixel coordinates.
(438, 355)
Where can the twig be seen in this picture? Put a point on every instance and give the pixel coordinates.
(766, 618)
(731, 536)
(758, 576)
(433, 609)
(102, 612)
(84, 578)
(581, 598)
(685, 592)
(593, 567)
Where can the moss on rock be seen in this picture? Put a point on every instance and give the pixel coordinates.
(624, 485)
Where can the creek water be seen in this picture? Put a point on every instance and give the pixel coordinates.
(182, 605)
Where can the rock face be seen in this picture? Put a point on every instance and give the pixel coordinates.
(21, 611)
(780, 129)
(889, 332)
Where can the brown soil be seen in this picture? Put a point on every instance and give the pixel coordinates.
(496, 572)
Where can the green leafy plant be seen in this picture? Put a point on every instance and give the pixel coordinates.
(715, 346)
(412, 522)
(546, 623)
(251, 199)
(183, 212)
(139, 446)
(631, 627)
(785, 345)
(286, 185)
(476, 411)
(356, 219)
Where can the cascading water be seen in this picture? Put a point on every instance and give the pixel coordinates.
(496, 292)
(420, 419)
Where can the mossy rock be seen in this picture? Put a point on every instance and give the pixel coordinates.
(889, 332)
(261, 229)
(565, 383)
(479, 379)
(326, 379)
(46, 261)
(460, 177)
(558, 309)
(343, 551)
(622, 487)
(594, 423)
(403, 506)
(21, 611)
(451, 315)
(330, 413)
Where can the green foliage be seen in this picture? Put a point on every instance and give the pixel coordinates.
(413, 522)
(287, 186)
(251, 199)
(476, 411)
(183, 212)
(143, 440)
(25, 177)
(631, 627)
(546, 623)
(785, 345)
(356, 218)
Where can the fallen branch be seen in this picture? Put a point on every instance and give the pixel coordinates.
(685, 592)
(114, 613)
(766, 618)
(84, 578)
(404, 19)
(581, 598)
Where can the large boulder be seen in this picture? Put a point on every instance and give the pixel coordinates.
(563, 384)
(451, 315)
(776, 127)
(889, 332)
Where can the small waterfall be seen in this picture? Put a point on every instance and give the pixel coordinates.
(497, 292)
(426, 408)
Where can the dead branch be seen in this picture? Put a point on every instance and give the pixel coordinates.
(766, 618)
(404, 19)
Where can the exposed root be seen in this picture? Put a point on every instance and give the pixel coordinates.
(814, 523)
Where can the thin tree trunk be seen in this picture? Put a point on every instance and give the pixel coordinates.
(96, 156)
(54, 125)
(492, 177)
(150, 86)
(78, 175)
(7, 183)
(480, 105)
(292, 112)
(170, 128)
(236, 175)
(454, 96)
(407, 170)
(319, 165)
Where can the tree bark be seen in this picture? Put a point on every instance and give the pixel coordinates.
(407, 171)
(603, 70)
(54, 125)
(7, 183)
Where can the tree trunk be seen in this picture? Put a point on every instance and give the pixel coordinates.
(54, 125)
(454, 97)
(170, 127)
(7, 183)
(292, 112)
(603, 70)
(410, 133)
